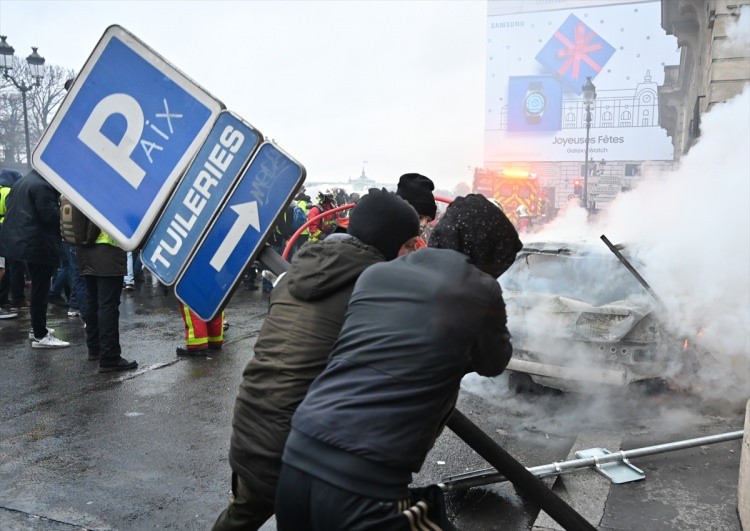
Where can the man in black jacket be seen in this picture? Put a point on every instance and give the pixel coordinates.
(414, 327)
(304, 319)
(31, 233)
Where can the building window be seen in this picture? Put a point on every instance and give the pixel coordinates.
(632, 170)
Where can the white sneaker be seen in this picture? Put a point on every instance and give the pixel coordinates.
(49, 341)
(7, 315)
(49, 331)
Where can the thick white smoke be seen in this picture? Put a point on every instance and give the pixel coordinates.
(691, 230)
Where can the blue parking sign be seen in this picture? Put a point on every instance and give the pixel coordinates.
(199, 196)
(234, 239)
(124, 135)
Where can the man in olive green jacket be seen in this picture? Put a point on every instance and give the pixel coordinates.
(305, 317)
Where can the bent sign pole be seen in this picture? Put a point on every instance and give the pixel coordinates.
(491, 475)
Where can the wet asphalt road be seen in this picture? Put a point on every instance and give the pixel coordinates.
(148, 449)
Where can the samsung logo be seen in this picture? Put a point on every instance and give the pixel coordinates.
(504, 25)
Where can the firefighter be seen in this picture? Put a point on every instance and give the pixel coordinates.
(323, 227)
(201, 336)
(524, 220)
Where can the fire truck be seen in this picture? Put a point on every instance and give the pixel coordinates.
(512, 188)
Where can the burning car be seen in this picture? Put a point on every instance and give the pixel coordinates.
(579, 318)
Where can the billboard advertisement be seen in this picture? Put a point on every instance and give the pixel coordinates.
(539, 56)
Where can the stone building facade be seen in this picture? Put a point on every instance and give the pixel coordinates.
(713, 68)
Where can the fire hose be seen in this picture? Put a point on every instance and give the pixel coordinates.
(327, 214)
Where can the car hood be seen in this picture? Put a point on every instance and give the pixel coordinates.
(532, 313)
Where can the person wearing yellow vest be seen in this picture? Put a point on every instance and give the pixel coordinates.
(201, 336)
(103, 264)
(31, 234)
(303, 201)
(7, 179)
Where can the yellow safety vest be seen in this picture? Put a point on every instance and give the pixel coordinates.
(303, 205)
(106, 238)
(4, 191)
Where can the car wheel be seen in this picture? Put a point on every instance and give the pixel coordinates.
(519, 382)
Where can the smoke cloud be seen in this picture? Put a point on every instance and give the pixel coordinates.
(690, 231)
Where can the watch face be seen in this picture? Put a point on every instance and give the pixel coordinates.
(534, 103)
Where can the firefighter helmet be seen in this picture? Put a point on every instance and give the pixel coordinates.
(326, 196)
(496, 203)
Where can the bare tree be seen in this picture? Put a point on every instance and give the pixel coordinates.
(42, 102)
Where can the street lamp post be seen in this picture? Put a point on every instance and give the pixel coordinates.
(36, 65)
(589, 96)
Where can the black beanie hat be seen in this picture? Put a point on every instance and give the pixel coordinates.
(475, 227)
(383, 220)
(417, 190)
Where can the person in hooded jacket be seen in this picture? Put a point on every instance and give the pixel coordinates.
(414, 327)
(306, 312)
(31, 233)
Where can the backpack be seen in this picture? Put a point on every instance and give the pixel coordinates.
(75, 227)
(299, 218)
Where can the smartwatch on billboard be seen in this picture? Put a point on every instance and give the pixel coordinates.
(534, 103)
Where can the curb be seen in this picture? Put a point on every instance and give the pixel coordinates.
(743, 487)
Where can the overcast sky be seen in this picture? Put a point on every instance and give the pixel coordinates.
(398, 84)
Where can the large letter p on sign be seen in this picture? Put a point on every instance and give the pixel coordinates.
(116, 155)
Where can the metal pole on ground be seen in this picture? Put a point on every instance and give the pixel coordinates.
(516, 473)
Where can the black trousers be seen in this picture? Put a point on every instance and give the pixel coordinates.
(41, 280)
(103, 317)
(13, 283)
(305, 503)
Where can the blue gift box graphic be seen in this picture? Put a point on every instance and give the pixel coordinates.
(574, 52)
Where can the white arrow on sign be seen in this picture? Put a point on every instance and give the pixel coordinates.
(247, 215)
